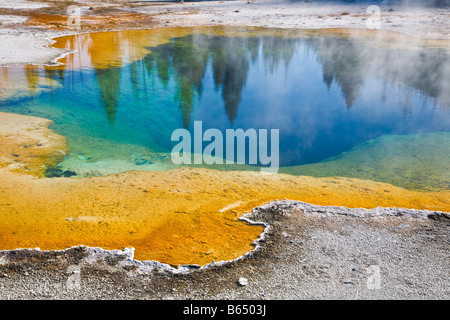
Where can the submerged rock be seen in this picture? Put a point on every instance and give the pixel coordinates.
(56, 172)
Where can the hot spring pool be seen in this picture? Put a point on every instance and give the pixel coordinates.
(364, 104)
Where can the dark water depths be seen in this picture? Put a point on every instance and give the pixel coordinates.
(326, 94)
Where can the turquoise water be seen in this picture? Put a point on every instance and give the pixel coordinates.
(328, 96)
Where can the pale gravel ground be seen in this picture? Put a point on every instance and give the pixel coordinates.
(21, 44)
(27, 48)
(22, 4)
(412, 20)
(305, 256)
